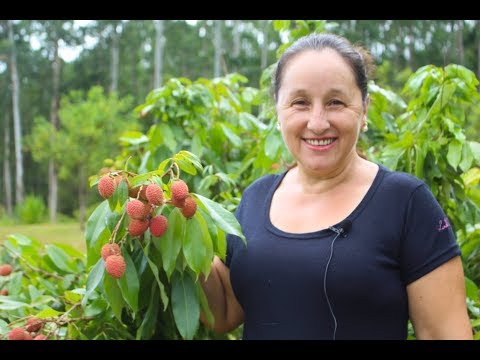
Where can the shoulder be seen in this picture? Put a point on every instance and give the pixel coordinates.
(262, 184)
(400, 181)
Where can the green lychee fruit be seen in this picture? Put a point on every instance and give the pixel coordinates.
(158, 225)
(106, 186)
(33, 324)
(110, 249)
(137, 227)
(154, 194)
(190, 207)
(115, 266)
(5, 270)
(179, 190)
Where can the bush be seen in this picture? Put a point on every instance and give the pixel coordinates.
(32, 211)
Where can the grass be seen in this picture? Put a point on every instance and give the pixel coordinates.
(64, 233)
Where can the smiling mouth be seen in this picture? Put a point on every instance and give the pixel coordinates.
(322, 142)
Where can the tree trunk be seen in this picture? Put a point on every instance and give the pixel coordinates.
(459, 41)
(17, 125)
(82, 197)
(217, 61)
(159, 45)
(115, 52)
(7, 176)
(264, 53)
(52, 175)
(236, 38)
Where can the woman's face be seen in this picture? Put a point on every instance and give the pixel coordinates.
(320, 110)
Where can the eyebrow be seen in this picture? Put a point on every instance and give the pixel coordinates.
(333, 91)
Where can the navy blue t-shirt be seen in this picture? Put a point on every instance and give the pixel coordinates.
(399, 233)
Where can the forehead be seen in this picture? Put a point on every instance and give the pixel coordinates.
(324, 66)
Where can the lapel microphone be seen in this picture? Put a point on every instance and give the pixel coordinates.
(343, 229)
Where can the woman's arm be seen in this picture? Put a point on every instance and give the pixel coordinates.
(437, 303)
(225, 308)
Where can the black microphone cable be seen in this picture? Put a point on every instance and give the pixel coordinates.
(342, 229)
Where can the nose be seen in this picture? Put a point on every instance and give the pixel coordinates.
(318, 119)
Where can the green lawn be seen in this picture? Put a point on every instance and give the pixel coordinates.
(65, 233)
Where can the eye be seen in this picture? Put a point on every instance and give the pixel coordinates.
(335, 103)
(299, 102)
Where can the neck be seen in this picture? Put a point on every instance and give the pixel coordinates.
(312, 182)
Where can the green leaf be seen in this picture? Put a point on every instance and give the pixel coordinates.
(222, 217)
(472, 289)
(185, 304)
(170, 243)
(471, 177)
(48, 312)
(204, 305)
(475, 147)
(234, 139)
(60, 258)
(95, 225)
(7, 304)
(96, 307)
(163, 165)
(21, 240)
(93, 279)
(190, 157)
(167, 136)
(454, 154)
(147, 328)
(186, 166)
(114, 297)
(72, 297)
(272, 144)
(33, 292)
(467, 158)
(129, 284)
(197, 244)
(4, 329)
(154, 269)
(420, 155)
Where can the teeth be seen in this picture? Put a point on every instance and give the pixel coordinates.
(319, 142)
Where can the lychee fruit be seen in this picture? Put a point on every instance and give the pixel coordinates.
(40, 337)
(137, 209)
(178, 203)
(119, 178)
(115, 266)
(154, 194)
(4, 292)
(33, 324)
(190, 207)
(179, 190)
(158, 225)
(16, 334)
(5, 270)
(133, 192)
(106, 186)
(143, 192)
(110, 249)
(27, 336)
(137, 227)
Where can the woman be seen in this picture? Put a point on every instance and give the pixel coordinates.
(338, 247)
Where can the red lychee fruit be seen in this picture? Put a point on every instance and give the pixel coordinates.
(179, 190)
(4, 292)
(17, 333)
(110, 249)
(154, 194)
(33, 324)
(158, 225)
(27, 336)
(137, 227)
(137, 209)
(5, 270)
(115, 266)
(40, 337)
(133, 192)
(190, 207)
(178, 203)
(143, 192)
(106, 186)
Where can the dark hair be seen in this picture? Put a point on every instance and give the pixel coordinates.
(358, 58)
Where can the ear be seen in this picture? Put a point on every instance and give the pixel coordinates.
(366, 103)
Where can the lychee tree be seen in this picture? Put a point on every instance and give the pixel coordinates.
(148, 243)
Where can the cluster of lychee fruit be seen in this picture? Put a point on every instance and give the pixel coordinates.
(31, 330)
(142, 212)
(114, 262)
(5, 270)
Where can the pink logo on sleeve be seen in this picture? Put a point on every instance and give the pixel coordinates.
(443, 224)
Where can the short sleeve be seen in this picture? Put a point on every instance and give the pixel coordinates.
(233, 241)
(428, 239)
